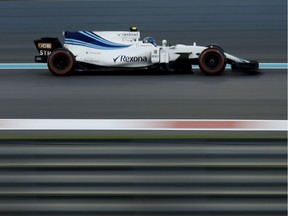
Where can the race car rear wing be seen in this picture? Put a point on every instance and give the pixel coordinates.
(45, 46)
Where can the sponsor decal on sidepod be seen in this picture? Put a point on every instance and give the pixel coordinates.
(44, 45)
(123, 58)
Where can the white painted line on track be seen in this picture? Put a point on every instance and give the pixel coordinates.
(144, 124)
(38, 66)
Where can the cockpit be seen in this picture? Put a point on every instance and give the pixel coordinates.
(150, 40)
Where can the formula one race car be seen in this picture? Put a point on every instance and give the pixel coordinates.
(87, 50)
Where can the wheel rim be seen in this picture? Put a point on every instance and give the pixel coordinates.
(61, 62)
(212, 61)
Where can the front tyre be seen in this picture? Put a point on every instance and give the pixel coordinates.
(212, 61)
(61, 62)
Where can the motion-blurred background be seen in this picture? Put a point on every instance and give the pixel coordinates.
(252, 28)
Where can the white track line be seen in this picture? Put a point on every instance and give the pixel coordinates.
(143, 124)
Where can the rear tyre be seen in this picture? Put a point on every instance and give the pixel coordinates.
(212, 61)
(61, 62)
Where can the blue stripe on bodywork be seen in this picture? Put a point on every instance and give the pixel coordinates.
(90, 39)
(89, 45)
(79, 43)
(97, 37)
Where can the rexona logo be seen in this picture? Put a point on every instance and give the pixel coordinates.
(123, 58)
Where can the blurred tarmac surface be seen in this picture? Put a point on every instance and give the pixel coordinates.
(249, 28)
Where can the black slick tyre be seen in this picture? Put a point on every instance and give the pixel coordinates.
(212, 61)
(61, 62)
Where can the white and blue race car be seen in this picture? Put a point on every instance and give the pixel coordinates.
(91, 50)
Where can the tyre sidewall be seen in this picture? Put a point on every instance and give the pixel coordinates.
(71, 62)
(220, 67)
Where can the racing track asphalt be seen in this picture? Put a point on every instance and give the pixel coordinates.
(37, 94)
(250, 28)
